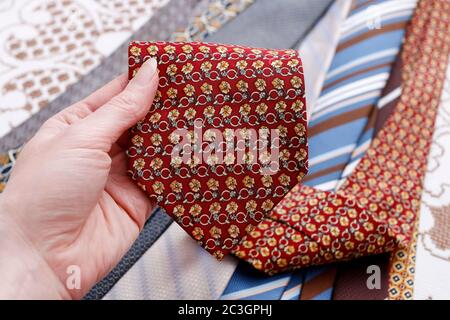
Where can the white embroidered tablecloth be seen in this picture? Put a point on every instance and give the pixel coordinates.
(47, 45)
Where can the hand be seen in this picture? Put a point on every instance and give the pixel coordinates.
(69, 201)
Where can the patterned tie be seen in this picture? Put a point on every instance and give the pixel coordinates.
(204, 151)
(351, 91)
(374, 210)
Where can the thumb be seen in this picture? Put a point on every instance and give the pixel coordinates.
(107, 123)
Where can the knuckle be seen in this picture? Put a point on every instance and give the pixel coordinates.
(128, 104)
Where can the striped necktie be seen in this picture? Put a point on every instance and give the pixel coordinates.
(352, 87)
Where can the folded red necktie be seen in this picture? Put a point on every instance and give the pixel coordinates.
(225, 139)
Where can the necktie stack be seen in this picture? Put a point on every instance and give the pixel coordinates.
(351, 91)
(351, 100)
(363, 201)
(204, 151)
(375, 210)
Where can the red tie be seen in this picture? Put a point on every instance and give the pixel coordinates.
(225, 139)
(375, 210)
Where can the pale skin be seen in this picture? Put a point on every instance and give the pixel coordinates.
(69, 201)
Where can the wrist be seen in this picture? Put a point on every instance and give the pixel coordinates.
(24, 273)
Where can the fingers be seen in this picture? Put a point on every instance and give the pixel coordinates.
(85, 107)
(127, 194)
(108, 122)
(107, 92)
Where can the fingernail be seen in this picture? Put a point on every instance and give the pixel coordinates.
(145, 73)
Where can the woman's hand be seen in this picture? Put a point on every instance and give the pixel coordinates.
(69, 208)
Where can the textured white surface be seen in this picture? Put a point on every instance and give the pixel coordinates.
(317, 50)
(432, 276)
(47, 45)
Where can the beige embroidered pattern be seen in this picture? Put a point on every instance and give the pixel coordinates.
(250, 104)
